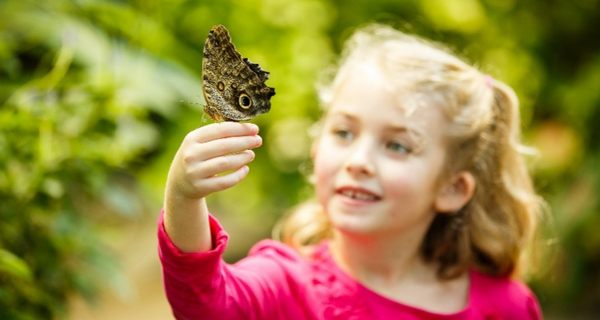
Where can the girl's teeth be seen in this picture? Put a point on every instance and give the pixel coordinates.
(357, 195)
(362, 196)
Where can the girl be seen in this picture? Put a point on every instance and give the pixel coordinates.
(424, 204)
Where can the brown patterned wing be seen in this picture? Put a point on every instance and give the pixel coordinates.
(234, 88)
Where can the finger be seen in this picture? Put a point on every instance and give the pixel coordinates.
(223, 130)
(219, 183)
(220, 147)
(218, 165)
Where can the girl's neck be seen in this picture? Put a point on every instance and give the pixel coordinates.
(375, 260)
(395, 269)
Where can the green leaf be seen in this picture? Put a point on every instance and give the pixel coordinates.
(14, 266)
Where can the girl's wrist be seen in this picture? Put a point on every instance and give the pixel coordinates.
(179, 198)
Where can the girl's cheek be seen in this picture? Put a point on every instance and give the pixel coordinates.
(328, 158)
(320, 169)
(324, 170)
(321, 181)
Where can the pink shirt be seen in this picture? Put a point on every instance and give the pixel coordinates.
(275, 282)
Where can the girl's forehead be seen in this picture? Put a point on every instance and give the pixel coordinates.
(367, 86)
(397, 115)
(364, 94)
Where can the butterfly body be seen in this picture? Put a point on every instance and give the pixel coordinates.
(234, 88)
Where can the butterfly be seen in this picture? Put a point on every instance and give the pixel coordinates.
(234, 88)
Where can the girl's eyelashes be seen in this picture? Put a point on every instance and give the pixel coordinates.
(398, 147)
(343, 134)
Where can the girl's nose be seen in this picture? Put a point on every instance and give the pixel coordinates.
(360, 162)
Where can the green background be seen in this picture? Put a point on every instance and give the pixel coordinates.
(91, 116)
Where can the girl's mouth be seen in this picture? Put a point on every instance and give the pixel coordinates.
(358, 194)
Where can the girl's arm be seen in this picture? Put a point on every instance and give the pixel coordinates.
(203, 156)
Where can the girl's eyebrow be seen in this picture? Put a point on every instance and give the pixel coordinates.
(401, 128)
(344, 115)
(394, 128)
(398, 128)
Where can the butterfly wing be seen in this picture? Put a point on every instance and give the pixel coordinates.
(234, 88)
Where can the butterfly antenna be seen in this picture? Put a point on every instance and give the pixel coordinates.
(191, 102)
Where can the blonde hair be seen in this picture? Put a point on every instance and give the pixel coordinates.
(490, 233)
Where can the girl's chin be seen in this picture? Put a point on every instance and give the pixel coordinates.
(353, 223)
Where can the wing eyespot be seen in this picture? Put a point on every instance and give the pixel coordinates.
(244, 101)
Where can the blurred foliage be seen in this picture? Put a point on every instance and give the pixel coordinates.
(91, 117)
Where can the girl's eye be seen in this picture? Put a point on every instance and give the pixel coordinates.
(343, 134)
(398, 147)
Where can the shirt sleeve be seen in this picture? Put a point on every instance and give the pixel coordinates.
(533, 306)
(521, 302)
(263, 285)
(502, 298)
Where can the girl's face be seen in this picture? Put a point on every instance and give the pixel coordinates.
(376, 164)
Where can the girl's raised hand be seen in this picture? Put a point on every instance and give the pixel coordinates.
(209, 151)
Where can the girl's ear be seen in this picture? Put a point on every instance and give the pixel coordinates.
(455, 193)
